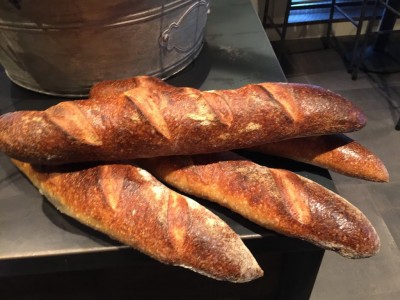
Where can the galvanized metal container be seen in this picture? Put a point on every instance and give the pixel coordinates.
(63, 47)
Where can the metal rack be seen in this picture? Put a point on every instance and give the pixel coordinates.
(378, 51)
(357, 22)
(291, 6)
(314, 11)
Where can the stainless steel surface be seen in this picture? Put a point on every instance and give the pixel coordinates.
(63, 48)
(36, 238)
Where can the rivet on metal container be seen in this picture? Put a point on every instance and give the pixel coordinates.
(64, 49)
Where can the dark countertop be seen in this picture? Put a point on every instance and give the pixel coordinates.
(36, 238)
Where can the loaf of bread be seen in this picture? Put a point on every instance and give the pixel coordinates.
(276, 199)
(155, 119)
(337, 153)
(131, 206)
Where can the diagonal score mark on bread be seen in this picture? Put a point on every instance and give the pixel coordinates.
(111, 185)
(210, 107)
(70, 119)
(219, 106)
(202, 113)
(293, 195)
(145, 102)
(277, 91)
(215, 101)
(178, 220)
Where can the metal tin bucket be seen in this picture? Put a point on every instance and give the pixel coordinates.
(63, 47)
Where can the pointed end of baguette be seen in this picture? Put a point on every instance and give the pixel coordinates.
(384, 175)
(250, 270)
(230, 259)
(317, 102)
(19, 133)
(250, 273)
(346, 229)
(368, 245)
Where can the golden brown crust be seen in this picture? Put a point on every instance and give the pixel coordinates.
(154, 119)
(276, 199)
(109, 89)
(337, 152)
(131, 206)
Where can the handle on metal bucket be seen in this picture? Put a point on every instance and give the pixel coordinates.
(173, 38)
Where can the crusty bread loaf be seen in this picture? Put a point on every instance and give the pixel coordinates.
(338, 153)
(131, 206)
(276, 199)
(155, 119)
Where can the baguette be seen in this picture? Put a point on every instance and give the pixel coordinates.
(337, 153)
(131, 206)
(155, 119)
(273, 198)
